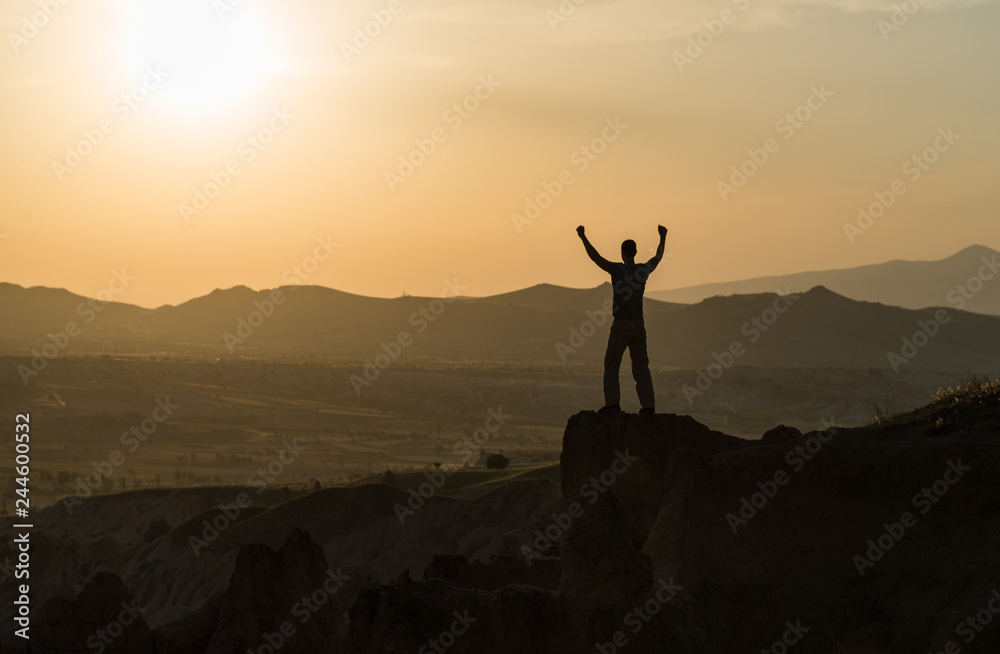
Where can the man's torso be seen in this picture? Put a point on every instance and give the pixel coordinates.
(628, 283)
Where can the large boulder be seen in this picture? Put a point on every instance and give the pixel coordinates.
(629, 454)
(875, 539)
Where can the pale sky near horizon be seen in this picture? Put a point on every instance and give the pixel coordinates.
(546, 88)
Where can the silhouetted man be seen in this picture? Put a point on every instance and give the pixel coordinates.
(628, 281)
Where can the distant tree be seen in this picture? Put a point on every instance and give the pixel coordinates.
(497, 462)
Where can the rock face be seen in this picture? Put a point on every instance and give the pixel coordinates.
(616, 471)
(876, 538)
(630, 454)
(285, 598)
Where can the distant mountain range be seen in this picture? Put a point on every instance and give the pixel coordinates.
(544, 323)
(908, 284)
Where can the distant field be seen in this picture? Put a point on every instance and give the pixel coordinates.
(232, 423)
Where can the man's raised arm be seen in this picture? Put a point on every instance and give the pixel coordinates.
(592, 252)
(655, 261)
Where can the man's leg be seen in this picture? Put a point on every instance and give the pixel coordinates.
(640, 368)
(617, 342)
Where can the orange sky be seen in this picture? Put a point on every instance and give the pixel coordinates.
(309, 119)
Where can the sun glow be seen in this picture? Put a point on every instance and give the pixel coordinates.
(215, 55)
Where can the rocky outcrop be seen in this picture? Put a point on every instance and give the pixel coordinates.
(881, 539)
(367, 530)
(675, 538)
(629, 455)
(288, 596)
(285, 599)
(614, 472)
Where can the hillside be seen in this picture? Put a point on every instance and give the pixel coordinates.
(545, 324)
(661, 535)
(909, 284)
(875, 540)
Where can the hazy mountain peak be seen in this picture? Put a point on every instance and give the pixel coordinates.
(235, 289)
(973, 252)
(822, 291)
(904, 283)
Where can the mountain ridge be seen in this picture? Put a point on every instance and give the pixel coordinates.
(911, 284)
(544, 323)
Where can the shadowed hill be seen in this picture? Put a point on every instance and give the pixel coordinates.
(373, 530)
(821, 328)
(552, 296)
(547, 324)
(291, 320)
(669, 536)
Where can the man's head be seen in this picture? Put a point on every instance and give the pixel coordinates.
(628, 249)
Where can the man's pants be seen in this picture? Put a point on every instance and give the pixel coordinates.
(630, 334)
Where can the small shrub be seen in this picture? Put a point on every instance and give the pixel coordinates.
(497, 462)
(886, 415)
(973, 388)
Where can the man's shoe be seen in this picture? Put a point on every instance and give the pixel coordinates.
(611, 408)
(650, 410)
